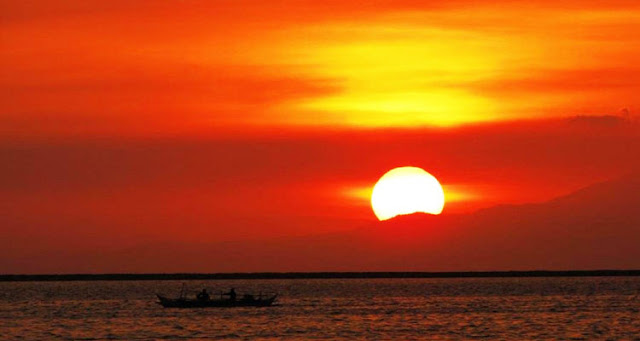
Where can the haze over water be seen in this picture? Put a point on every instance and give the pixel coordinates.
(381, 309)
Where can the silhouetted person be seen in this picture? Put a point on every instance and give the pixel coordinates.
(232, 294)
(203, 295)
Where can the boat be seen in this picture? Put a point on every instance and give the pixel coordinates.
(244, 301)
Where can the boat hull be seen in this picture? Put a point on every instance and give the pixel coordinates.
(190, 303)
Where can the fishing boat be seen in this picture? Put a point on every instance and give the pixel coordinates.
(200, 302)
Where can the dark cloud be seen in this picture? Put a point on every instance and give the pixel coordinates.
(608, 121)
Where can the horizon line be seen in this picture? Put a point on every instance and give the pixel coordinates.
(314, 275)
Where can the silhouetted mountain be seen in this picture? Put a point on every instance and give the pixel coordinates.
(596, 227)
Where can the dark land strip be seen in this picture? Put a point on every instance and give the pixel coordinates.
(312, 275)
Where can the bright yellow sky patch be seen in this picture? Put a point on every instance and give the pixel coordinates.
(411, 69)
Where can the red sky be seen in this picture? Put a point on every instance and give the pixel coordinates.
(125, 123)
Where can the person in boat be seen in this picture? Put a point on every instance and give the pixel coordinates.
(232, 294)
(203, 295)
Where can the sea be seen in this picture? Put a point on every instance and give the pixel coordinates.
(567, 308)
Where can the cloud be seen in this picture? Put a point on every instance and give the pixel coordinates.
(598, 121)
(149, 69)
(562, 81)
(138, 101)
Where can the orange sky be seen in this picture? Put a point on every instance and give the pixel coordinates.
(150, 120)
(200, 66)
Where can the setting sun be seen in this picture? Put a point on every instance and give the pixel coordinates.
(164, 154)
(406, 190)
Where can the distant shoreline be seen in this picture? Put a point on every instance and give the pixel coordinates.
(313, 275)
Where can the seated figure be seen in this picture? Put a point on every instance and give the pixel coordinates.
(203, 295)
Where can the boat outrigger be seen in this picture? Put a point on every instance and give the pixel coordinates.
(204, 301)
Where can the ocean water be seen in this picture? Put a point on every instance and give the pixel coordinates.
(348, 309)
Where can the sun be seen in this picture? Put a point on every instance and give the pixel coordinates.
(406, 190)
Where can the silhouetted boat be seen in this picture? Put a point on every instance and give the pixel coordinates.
(245, 301)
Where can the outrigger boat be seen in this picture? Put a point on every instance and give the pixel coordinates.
(244, 301)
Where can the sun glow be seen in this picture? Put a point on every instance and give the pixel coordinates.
(406, 190)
